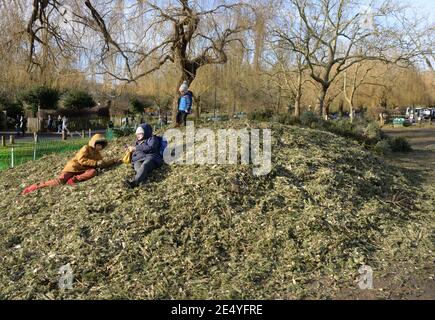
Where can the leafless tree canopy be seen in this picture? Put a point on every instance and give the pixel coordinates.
(281, 54)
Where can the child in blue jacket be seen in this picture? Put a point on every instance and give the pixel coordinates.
(184, 104)
(145, 155)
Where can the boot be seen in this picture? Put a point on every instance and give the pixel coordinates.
(130, 184)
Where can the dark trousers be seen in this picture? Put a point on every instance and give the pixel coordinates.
(181, 117)
(143, 169)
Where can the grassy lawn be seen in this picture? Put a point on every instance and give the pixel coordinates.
(25, 151)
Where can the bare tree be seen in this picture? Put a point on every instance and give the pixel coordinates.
(358, 76)
(187, 35)
(115, 43)
(332, 37)
(259, 36)
(288, 74)
(47, 40)
(288, 65)
(421, 34)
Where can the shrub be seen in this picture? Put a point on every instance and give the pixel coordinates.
(360, 125)
(317, 125)
(361, 122)
(286, 118)
(12, 108)
(136, 105)
(373, 132)
(104, 112)
(5, 101)
(78, 100)
(382, 147)
(260, 115)
(343, 128)
(309, 117)
(42, 96)
(399, 144)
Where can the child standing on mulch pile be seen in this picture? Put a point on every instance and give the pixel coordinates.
(80, 168)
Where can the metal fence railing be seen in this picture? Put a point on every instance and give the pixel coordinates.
(15, 154)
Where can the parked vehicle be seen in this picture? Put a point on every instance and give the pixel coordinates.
(425, 113)
(217, 118)
(416, 112)
(239, 115)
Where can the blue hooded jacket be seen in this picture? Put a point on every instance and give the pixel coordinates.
(185, 102)
(148, 147)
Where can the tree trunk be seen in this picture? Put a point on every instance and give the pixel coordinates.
(44, 63)
(259, 28)
(321, 102)
(321, 106)
(350, 103)
(351, 110)
(197, 108)
(278, 103)
(297, 106)
(326, 110)
(298, 96)
(234, 106)
(340, 109)
(175, 103)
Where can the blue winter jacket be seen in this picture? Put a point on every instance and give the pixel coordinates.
(185, 102)
(148, 147)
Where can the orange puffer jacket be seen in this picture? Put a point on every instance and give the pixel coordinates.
(88, 157)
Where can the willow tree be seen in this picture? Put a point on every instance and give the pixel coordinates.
(199, 38)
(144, 36)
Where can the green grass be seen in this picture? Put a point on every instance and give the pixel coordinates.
(24, 151)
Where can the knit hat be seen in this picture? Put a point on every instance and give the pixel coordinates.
(184, 87)
(140, 130)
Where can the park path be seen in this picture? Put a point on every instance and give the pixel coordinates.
(421, 285)
(410, 281)
(422, 158)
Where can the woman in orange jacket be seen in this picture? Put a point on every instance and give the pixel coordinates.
(80, 168)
